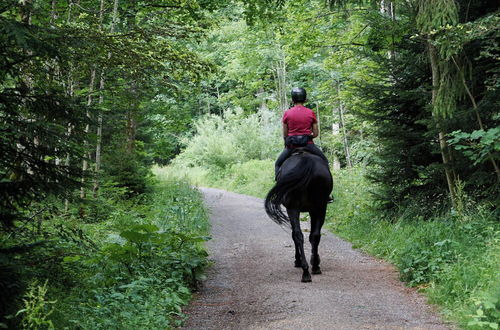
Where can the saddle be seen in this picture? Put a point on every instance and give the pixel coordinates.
(294, 152)
(297, 141)
(299, 151)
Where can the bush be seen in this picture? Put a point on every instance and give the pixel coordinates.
(220, 142)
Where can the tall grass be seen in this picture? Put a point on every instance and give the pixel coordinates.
(254, 177)
(454, 257)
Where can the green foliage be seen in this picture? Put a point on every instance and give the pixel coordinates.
(479, 145)
(132, 266)
(34, 113)
(433, 15)
(37, 309)
(145, 303)
(68, 71)
(221, 142)
(487, 313)
(349, 203)
(453, 257)
(254, 177)
(130, 172)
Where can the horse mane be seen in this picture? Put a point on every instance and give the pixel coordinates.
(296, 179)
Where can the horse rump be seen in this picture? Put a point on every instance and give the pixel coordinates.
(291, 182)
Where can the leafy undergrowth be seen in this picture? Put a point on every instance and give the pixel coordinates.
(129, 264)
(453, 258)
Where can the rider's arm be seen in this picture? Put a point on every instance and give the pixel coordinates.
(315, 130)
(285, 130)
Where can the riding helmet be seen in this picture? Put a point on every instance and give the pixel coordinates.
(299, 94)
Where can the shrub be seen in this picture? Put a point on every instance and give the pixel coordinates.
(220, 142)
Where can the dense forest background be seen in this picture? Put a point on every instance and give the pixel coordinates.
(94, 93)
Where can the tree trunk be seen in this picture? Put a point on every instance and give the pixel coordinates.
(70, 7)
(281, 87)
(478, 117)
(131, 116)
(101, 98)
(443, 144)
(387, 8)
(319, 125)
(26, 11)
(344, 133)
(70, 92)
(99, 137)
(336, 161)
(53, 14)
(85, 165)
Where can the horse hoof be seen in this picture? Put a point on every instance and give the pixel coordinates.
(306, 279)
(316, 271)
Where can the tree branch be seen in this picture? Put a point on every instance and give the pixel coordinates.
(340, 45)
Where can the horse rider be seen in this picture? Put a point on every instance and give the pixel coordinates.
(300, 127)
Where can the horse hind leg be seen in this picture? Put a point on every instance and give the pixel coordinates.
(298, 239)
(298, 257)
(317, 220)
(314, 239)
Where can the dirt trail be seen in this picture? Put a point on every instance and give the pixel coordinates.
(253, 284)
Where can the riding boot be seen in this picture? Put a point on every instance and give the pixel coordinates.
(281, 159)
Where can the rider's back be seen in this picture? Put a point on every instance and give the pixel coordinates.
(299, 120)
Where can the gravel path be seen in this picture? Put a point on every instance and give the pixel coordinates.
(253, 284)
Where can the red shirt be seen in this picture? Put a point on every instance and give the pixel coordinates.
(299, 120)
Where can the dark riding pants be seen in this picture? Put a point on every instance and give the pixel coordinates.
(288, 151)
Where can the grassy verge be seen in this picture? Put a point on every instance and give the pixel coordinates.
(452, 258)
(127, 264)
(255, 177)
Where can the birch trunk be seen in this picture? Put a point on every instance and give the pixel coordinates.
(344, 133)
(70, 92)
(335, 158)
(387, 8)
(319, 125)
(132, 120)
(99, 138)
(85, 165)
(131, 128)
(53, 15)
(281, 86)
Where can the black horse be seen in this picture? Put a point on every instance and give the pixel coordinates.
(304, 185)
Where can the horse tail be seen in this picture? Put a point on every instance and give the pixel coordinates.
(297, 179)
